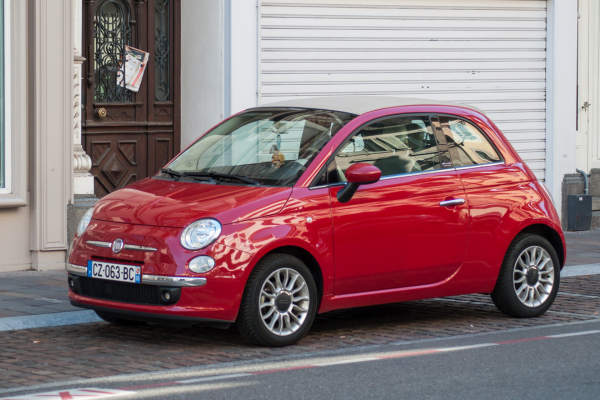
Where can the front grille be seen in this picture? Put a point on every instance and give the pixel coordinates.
(120, 291)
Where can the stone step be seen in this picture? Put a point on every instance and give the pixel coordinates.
(595, 220)
(595, 203)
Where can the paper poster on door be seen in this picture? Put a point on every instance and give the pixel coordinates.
(135, 64)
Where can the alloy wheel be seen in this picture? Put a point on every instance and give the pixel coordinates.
(533, 276)
(284, 301)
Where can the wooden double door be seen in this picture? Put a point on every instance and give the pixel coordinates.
(130, 135)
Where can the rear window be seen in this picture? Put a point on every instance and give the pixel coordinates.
(468, 145)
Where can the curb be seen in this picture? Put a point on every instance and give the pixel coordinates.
(47, 320)
(578, 270)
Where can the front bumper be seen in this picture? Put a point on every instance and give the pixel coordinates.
(148, 301)
(215, 295)
(147, 279)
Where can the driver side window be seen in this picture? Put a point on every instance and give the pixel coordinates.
(399, 145)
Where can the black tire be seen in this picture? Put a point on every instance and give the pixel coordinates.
(250, 322)
(504, 295)
(117, 321)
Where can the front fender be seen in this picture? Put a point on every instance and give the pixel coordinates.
(305, 223)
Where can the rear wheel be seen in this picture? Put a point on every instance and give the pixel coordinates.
(279, 302)
(529, 278)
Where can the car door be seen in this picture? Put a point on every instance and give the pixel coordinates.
(411, 227)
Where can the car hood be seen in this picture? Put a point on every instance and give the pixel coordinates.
(167, 203)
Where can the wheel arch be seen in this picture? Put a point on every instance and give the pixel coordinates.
(551, 235)
(307, 258)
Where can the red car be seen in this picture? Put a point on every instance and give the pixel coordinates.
(296, 208)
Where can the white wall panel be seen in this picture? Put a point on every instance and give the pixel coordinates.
(488, 53)
(202, 80)
(244, 49)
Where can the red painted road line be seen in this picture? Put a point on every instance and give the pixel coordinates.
(72, 394)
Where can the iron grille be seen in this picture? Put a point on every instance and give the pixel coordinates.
(120, 291)
(112, 31)
(162, 50)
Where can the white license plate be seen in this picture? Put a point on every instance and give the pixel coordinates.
(114, 272)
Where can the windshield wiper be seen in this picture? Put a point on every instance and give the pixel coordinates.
(169, 171)
(244, 179)
(179, 175)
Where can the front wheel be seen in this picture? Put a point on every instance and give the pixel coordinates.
(279, 302)
(529, 278)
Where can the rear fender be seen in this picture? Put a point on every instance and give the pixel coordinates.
(526, 206)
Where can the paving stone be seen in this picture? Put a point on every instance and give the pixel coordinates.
(31, 310)
(61, 307)
(20, 295)
(33, 302)
(11, 313)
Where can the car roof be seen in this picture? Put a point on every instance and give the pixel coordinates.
(359, 104)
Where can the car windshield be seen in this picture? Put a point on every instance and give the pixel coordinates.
(268, 146)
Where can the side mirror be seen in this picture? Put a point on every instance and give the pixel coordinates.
(358, 174)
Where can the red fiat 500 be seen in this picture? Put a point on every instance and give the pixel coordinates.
(292, 209)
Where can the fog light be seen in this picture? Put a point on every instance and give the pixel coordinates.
(201, 264)
(72, 283)
(166, 295)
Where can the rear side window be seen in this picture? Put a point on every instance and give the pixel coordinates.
(468, 145)
(399, 145)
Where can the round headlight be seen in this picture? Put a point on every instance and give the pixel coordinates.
(85, 221)
(200, 234)
(201, 264)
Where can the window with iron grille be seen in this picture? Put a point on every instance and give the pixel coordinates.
(112, 32)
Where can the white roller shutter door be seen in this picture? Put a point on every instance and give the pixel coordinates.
(488, 53)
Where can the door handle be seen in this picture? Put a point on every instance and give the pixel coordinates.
(453, 202)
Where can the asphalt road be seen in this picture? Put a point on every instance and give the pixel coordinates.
(555, 362)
